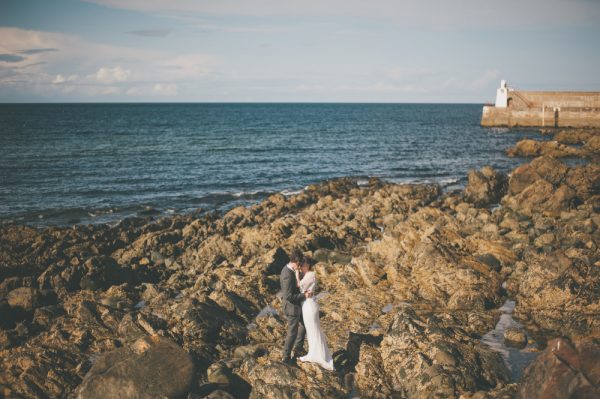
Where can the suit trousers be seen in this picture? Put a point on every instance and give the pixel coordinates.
(295, 335)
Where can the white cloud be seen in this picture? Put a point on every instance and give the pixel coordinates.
(84, 69)
(165, 89)
(187, 66)
(112, 75)
(153, 90)
(59, 79)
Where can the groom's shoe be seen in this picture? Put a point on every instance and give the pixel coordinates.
(298, 353)
(289, 361)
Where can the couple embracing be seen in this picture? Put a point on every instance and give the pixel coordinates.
(298, 285)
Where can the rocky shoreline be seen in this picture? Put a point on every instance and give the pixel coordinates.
(411, 279)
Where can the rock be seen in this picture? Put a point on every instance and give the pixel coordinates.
(249, 350)
(152, 367)
(485, 187)
(9, 284)
(574, 136)
(383, 248)
(219, 374)
(564, 370)
(425, 358)
(540, 188)
(6, 339)
(219, 394)
(558, 294)
(276, 260)
(544, 240)
(534, 148)
(515, 337)
(327, 255)
(274, 379)
(150, 292)
(45, 315)
(103, 272)
(371, 377)
(25, 298)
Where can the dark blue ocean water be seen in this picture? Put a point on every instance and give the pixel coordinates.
(87, 163)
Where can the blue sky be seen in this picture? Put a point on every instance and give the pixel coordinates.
(294, 50)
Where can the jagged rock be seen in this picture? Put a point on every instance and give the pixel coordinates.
(273, 379)
(485, 187)
(152, 367)
(559, 294)
(371, 376)
(565, 370)
(539, 187)
(424, 358)
(207, 277)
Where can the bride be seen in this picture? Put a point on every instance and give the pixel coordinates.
(318, 352)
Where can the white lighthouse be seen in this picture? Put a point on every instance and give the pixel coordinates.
(502, 95)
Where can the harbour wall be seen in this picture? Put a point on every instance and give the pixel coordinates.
(545, 109)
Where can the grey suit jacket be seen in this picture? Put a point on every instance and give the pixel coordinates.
(291, 295)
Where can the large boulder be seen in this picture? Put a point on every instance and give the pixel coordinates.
(548, 187)
(427, 358)
(153, 367)
(486, 186)
(565, 370)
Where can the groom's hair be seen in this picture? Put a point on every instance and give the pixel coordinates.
(296, 256)
(308, 261)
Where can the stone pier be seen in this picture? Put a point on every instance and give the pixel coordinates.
(542, 109)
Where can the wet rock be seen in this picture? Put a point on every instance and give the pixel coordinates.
(152, 367)
(534, 148)
(485, 187)
(565, 370)
(574, 136)
(515, 337)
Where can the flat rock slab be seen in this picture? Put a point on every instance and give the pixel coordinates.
(154, 367)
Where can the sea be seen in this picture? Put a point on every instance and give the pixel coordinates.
(65, 164)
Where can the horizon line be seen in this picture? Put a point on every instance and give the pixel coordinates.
(239, 102)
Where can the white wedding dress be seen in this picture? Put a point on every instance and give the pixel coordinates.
(318, 352)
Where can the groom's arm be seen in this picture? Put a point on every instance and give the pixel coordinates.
(286, 288)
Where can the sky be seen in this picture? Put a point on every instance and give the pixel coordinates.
(294, 50)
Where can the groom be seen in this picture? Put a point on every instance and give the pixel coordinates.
(292, 307)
